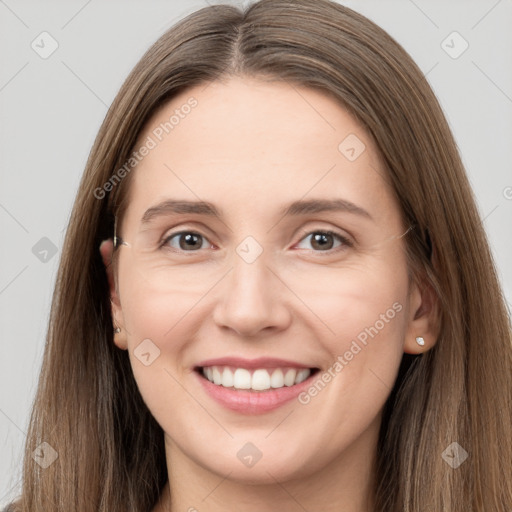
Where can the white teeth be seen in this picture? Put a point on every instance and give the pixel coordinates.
(217, 377)
(277, 379)
(289, 378)
(261, 379)
(227, 378)
(302, 375)
(242, 379)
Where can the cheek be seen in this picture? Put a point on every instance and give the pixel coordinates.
(156, 299)
(159, 331)
(363, 327)
(365, 354)
(362, 311)
(156, 315)
(359, 300)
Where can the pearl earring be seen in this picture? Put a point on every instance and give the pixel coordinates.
(420, 341)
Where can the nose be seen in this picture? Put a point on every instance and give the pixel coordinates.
(252, 300)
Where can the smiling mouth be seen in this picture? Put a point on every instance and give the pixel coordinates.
(258, 379)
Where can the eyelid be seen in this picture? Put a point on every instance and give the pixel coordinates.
(182, 228)
(345, 238)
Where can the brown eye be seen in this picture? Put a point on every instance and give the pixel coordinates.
(322, 241)
(187, 241)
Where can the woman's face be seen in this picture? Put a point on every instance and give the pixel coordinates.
(269, 283)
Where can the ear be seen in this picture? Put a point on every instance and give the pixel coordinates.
(424, 318)
(106, 251)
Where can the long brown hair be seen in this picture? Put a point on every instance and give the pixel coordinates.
(88, 408)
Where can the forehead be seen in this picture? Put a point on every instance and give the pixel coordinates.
(253, 117)
(243, 140)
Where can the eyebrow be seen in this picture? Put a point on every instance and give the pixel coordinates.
(301, 207)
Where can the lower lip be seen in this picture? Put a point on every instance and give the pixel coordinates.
(253, 402)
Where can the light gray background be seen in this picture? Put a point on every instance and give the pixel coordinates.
(51, 109)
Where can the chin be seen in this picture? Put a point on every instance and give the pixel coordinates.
(273, 465)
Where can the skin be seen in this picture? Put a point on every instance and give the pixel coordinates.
(250, 147)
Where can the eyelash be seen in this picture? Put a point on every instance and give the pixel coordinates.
(344, 240)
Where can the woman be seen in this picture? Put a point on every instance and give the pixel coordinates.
(275, 290)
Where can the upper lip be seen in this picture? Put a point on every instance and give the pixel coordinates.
(260, 362)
